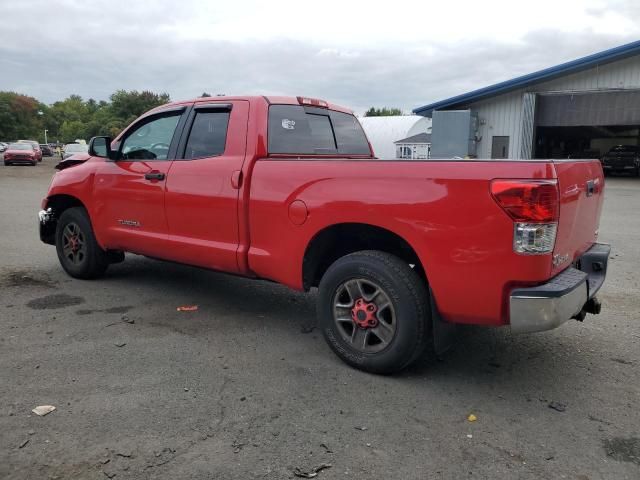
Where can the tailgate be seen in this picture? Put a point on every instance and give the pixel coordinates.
(581, 184)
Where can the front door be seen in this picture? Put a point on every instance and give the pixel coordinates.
(129, 192)
(204, 184)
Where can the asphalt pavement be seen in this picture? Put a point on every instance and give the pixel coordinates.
(245, 386)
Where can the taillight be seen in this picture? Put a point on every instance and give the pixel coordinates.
(312, 102)
(534, 207)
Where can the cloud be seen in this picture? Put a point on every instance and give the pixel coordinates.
(150, 46)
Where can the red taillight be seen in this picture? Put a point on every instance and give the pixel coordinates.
(527, 200)
(312, 102)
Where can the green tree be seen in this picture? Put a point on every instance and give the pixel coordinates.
(130, 105)
(72, 130)
(382, 112)
(19, 118)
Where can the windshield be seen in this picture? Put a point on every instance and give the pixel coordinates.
(20, 146)
(75, 147)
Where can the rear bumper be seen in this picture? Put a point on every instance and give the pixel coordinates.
(565, 296)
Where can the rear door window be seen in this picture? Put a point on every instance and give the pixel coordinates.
(208, 134)
(302, 130)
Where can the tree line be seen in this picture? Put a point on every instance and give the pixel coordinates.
(25, 117)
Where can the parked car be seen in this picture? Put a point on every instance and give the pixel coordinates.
(36, 148)
(46, 150)
(20, 153)
(622, 158)
(3, 146)
(73, 148)
(288, 189)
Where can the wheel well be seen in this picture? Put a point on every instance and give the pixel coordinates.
(58, 204)
(339, 240)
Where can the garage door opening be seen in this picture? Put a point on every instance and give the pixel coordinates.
(585, 125)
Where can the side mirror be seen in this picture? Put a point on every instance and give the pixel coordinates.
(100, 147)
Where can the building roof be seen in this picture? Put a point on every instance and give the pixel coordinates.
(419, 138)
(574, 66)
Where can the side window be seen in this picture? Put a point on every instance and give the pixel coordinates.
(151, 140)
(208, 135)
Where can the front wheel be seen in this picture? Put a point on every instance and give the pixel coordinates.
(374, 312)
(76, 245)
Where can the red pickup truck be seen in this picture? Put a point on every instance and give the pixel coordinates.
(288, 189)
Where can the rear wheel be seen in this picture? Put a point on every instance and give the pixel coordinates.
(374, 311)
(76, 245)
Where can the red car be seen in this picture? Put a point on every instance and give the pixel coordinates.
(20, 153)
(36, 148)
(288, 189)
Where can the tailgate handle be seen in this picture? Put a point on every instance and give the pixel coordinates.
(591, 187)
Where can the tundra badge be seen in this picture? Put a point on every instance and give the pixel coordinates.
(129, 223)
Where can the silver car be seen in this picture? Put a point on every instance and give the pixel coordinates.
(72, 148)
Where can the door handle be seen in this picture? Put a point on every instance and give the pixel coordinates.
(154, 176)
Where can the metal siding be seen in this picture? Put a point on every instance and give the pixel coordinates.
(621, 74)
(528, 118)
(501, 117)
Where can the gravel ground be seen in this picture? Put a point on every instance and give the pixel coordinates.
(246, 388)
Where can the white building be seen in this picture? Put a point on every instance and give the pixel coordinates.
(382, 132)
(574, 110)
(415, 147)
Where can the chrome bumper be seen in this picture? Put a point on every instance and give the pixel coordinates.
(548, 306)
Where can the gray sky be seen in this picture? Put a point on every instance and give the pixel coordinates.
(358, 54)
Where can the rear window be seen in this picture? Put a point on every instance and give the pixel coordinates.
(20, 146)
(295, 129)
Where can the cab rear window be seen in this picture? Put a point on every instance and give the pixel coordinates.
(302, 130)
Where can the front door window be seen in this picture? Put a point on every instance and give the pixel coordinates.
(151, 140)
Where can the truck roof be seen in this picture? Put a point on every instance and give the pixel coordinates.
(271, 99)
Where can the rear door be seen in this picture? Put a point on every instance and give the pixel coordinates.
(580, 184)
(129, 192)
(203, 186)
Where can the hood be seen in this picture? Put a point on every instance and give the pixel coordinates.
(74, 159)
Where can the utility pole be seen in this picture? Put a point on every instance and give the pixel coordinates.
(45, 136)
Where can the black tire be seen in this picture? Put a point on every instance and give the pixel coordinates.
(6, 164)
(89, 260)
(402, 287)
